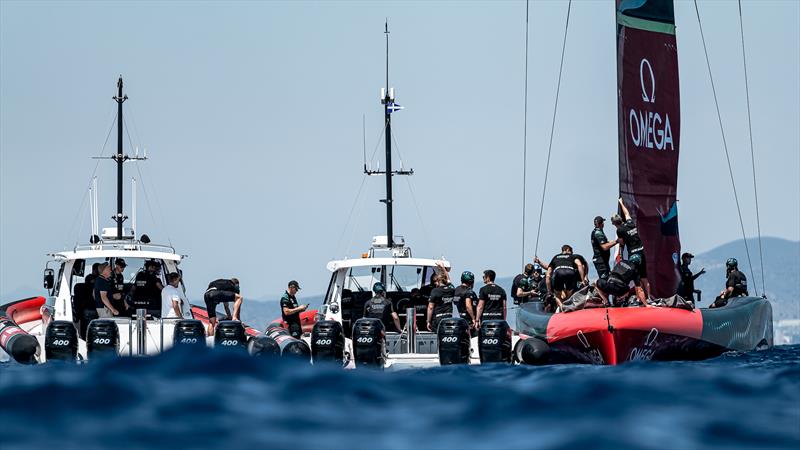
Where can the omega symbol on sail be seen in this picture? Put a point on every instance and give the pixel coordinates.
(648, 129)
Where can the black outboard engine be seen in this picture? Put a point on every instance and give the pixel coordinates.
(369, 343)
(230, 335)
(61, 341)
(263, 346)
(102, 338)
(494, 341)
(290, 346)
(190, 333)
(327, 341)
(453, 337)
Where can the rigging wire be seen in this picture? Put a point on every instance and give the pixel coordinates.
(552, 128)
(724, 142)
(425, 233)
(752, 152)
(525, 137)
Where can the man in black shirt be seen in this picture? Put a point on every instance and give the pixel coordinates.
(686, 287)
(291, 311)
(440, 304)
(628, 235)
(491, 299)
(222, 291)
(379, 307)
(146, 289)
(619, 280)
(526, 273)
(601, 248)
(103, 288)
(735, 286)
(466, 299)
(118, 286)
(563, 274)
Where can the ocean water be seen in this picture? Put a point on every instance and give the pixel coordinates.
(191, 399)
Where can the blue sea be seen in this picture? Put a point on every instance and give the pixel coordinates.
(208, 399)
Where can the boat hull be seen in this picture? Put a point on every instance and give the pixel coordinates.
(617, 335)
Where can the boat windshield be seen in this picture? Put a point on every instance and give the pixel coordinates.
(396, 278)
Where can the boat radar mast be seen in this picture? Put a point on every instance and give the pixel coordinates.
(120, 159)
(389, 106)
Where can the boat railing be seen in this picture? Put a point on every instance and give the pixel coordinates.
(125, 245)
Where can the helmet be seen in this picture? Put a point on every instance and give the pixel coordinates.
(378, 288)
(732, 263)
(467, 277)
(537, 268)
(635, 259)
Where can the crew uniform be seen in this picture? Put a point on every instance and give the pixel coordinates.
(565, 272)
(464, 294)
(146, 294)
(219, 291)
(494, 301)
(442, 298)
(630, 236)
(118, 287)
(738, 281)
(292, 320)
(379, 307)
(619, 280)
(600, 257)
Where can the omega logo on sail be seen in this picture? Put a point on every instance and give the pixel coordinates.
(647, 128)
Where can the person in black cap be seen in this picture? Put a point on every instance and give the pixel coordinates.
(291, 311)
(146, 290)
(222, 291)
(686, 287)
(601, 248)
(118, 286)
(379, 307)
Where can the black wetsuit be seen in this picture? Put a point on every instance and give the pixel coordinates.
(292, 320)
(633, 243)
(564, 275)
(494, 302)
(380, 308)
(463, 295)
(619, 280)
(219, 291)
(442, 298)
(146, 293)
(600, 257)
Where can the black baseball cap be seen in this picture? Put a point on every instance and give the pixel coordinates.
(294, 284)
(599, 219)
(120, 262)
(687, 255)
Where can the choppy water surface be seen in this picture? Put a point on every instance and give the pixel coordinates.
(213, 399)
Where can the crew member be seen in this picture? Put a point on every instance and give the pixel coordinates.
(428, 288)
(619, 280)
(440, 304)
(538, 281)
(735, 286)
(291, 311)
(146, 290)
(118, 286)
(686, 287)
(173, 300)
(379, 307)
(584, 277)
(562, 274)
(491, 300)
(601, 248)
(526, 273)
(526, 290)
(466, 299)
(222, 291)
(628, 235)
(92, 277)
(103, 288)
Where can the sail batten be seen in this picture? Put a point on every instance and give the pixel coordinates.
(649, 131)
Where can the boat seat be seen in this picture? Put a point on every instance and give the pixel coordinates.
(83, 308)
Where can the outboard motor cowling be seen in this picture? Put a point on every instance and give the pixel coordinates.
(327, 341)
(230, 334)
(369, 343)
(290, 346)
(494, 341)
(23, 347)
(263, 346)
(102, 338)
(61, 341)
(189, 332)
(454, 341)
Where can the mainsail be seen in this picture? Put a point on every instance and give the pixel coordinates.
(649, 131)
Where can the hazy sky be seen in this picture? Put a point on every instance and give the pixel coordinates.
(251, 113)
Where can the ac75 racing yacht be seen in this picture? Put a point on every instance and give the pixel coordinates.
(64, 322)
